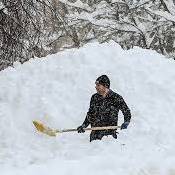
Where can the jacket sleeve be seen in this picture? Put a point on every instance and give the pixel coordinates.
(89, 113)
(125, 109)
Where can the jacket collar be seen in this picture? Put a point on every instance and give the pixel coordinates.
(109, 94)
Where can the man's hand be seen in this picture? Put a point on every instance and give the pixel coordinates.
(80, 129)
(124, 125)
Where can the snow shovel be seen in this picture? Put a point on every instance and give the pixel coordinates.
(52, 132)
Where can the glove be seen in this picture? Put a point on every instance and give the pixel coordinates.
(124, 125)
(114, 134)
(80, 129)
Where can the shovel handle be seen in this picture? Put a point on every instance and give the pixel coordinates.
(89, 129)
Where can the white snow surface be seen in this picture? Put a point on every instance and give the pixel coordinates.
(57, 89)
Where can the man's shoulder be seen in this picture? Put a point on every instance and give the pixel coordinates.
(96, 95)
(115, 95)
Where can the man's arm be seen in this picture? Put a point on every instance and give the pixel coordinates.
(126, 112)
(86, 122)
(88, 116)
(90, 113)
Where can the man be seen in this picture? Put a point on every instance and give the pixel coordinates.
(104, 109)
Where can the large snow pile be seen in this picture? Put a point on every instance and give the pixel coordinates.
(56, 90)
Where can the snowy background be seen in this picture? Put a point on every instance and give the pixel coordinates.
(57, 89)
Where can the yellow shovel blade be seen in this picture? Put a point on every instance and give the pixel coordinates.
(44, 129)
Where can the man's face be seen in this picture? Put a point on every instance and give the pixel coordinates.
(100, 88)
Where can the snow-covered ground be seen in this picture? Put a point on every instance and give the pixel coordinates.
(56, 90)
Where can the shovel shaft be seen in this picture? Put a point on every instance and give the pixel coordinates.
(89, 129)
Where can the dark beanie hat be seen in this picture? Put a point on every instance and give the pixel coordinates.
(103, 80)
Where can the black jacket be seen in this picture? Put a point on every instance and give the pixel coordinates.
(104, 111)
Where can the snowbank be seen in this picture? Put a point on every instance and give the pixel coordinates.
(57, 90)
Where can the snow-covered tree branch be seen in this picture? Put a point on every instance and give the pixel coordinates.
(39, 27)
